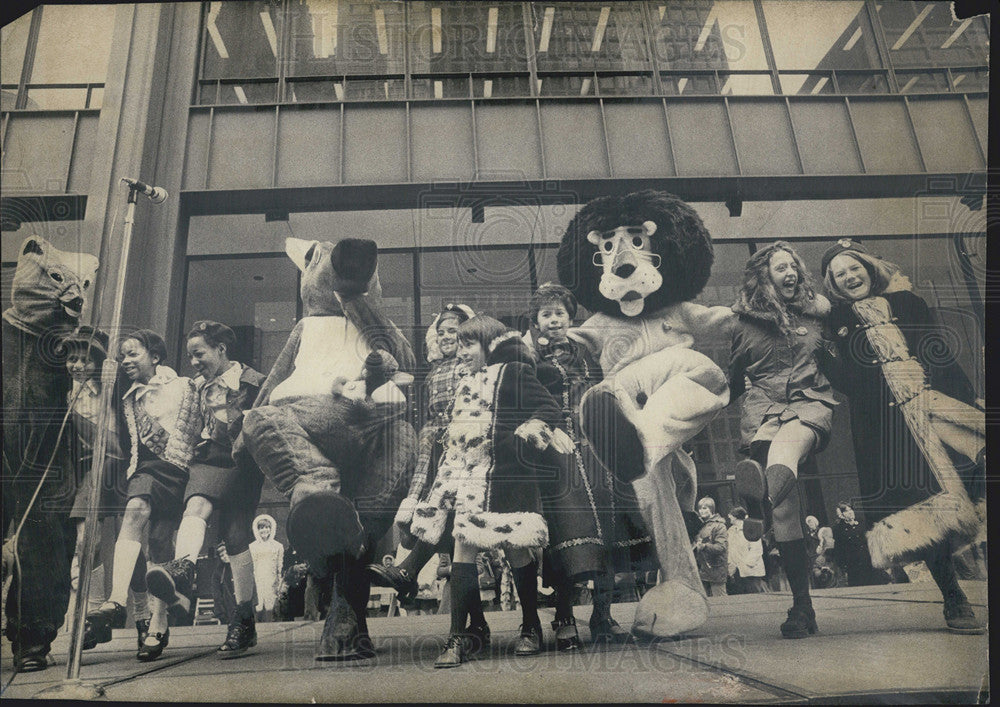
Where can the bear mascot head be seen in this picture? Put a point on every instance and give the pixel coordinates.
(636, 261)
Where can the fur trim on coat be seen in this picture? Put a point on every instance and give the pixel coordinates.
(907, 534)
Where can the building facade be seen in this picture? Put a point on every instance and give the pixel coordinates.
(463, 136)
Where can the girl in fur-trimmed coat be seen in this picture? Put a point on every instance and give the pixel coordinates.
(502, 419)
(787, 411)
(919, 431)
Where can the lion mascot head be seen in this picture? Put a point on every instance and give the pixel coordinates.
(635, 254)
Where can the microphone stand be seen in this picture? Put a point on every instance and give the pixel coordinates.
(73, 688)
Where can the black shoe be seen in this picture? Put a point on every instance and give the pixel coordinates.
(142, 628)
(962, 619)
(530, 641)
(172, 584)
(751, 486)
(607, 629)
(567, 637)
(478, 639)
(453, 654)
(394, 577)
(342, 637)
(800, 623)
(242, 633)
(31, 659)
(100, 622)
(151, 651)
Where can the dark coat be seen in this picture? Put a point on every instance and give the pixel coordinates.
(711, 549)
(785, 379)
(593, 517)
(893, 473)
(488, 475)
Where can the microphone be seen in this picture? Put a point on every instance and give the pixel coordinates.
(156, 194)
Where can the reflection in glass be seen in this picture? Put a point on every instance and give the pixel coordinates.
(923, 34)
(625, 85)
(440, 87)
(975, 80)
(691, 85)
(500, 86)
(698, 34)
(453, 37)
(566, 85)
(74, 43)
(745, 84)
(241, 40)
(589, 36)
(862, 82)
(819, 35)
(813, 84)
(922, 81)
(331, 37)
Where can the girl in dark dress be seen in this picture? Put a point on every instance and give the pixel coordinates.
(787, 411)
(919, 431)
(225, 389)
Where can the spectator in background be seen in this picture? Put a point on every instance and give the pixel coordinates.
(745, 558)
(223, 594)
(710, 548)
(267, 554)
(851, 548)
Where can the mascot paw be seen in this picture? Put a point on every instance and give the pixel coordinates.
(353, 262)
(536, 433)
(405, 513)
(670, 609)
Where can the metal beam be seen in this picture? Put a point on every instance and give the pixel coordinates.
(569, 191)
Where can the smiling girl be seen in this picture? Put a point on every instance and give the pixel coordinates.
(161, 411)
(787, 411)
(225, 389)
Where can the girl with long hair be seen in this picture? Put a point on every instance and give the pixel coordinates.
(787, 411)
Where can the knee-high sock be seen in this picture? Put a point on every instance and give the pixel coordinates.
(190, 538)
(419, 556)
(140, 605)
(564, 600)
(942, 567)
(795, 560)
(526, 583)
(604, 587)
(786, 504)
(126, 553)
(464, 592)
(158, 616)
(242, 566)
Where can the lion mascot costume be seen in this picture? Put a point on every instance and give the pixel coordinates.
(341, 450)
(47, 299)
(636, 261)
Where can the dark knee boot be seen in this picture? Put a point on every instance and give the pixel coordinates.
(342, 629)
(958, 613)
(786, 520)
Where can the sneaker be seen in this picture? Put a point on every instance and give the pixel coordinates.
(567, 637)
(530, 641)
(453, 654)
(242, 633)
(172, 583)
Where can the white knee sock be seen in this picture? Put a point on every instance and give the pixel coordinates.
(126, 553)
(190, 538)
(158, 616)
(243, 584)
(140, 605)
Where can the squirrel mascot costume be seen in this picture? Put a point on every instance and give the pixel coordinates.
(47, 299)
(342, 452)
(636, 261)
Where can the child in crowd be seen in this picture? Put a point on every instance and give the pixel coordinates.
(86, 349)
(591, 531)
(502, 420)
(267, 554)
(164, 424)
(710, 548)
(225, 389)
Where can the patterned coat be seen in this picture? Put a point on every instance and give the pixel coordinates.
(487, 475)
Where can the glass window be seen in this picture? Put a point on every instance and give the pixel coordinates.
(501, 86)
(262, 315)
(806, 83)
(74, 43)
(494, 282)
(745, 84)
(700, 34)
(691, 85)
(819, 35)
(862, 82)
(625, 85)
(56, 98)
(589, 36)
(440, 87)
(241, 40)
(922, 81)
(13, 44)
(566, 85)
(975, 80)
(923, 34)
(335, 37)
(461, 36)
